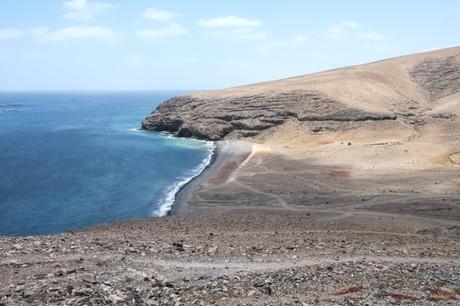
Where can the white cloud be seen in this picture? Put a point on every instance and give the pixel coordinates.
(85, 10)
(75, 32)
(371, 36)
(338, 31)
(10, 33)
(381, 47)
(299, 39)
(158, 15)
(242, 33)
(350, 24)
(351, 30)
(76, 4)
(293, 41)
(40, 31)
(135, 59)
(321, 55)
(180, 60)
(232, 27)
(335, 30)
(35, 56)
(229, 21)
(172, 29)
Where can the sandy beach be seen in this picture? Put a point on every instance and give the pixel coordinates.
(225, 153)
(263, 177)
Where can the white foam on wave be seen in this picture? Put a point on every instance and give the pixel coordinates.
(172, 191)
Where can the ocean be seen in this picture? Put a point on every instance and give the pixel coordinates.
(70, 160)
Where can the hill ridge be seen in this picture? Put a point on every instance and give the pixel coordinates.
(402, 88)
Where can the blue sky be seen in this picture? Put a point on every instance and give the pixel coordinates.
(144, 44)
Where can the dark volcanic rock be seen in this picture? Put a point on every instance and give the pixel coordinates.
(439, 77)
(247, 116)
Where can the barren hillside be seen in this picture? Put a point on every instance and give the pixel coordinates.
(412, 91)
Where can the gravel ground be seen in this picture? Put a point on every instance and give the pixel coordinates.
(236, 259)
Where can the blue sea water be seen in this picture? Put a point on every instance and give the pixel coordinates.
(69, 160)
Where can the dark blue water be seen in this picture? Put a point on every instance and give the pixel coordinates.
(71, 160)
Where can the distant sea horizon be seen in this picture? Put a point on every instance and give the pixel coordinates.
(70, 91)
(71, 159)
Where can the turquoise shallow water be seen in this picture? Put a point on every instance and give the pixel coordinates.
(71, 160)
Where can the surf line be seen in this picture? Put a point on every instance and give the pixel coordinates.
(173, 190)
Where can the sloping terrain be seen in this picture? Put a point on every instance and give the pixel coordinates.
(381, 138)
(407, 89)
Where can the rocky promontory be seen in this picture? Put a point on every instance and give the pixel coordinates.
(246, 116)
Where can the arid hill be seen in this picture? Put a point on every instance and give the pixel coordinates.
(411, 90)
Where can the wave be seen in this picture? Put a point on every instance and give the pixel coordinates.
(8, 108)
(172, 191)
(12, 105)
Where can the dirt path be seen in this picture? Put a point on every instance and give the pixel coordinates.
(268, 265)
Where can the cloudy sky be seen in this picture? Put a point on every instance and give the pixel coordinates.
(203, 44)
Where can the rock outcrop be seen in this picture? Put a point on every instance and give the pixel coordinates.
(439, 76)
(246, 116)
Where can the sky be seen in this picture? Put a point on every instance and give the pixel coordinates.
(206, 44)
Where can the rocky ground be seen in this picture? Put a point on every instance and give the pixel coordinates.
(236, 259)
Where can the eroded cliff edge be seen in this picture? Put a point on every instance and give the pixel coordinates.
(246, 116)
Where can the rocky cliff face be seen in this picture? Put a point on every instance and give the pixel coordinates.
(403, 88)
(440, 77)
(246, 116)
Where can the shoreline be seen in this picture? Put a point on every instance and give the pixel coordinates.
(224, 152)
(164, 209)
(184, 194)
